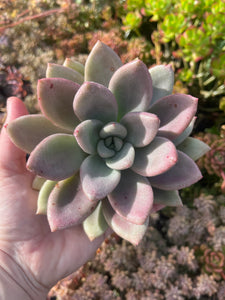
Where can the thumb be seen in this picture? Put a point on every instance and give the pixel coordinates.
(11, 156)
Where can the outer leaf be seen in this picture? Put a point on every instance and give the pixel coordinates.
(132, 198)
(132, 87)
(156, 158)
(56, 157)
(194, 148)
(42, 202)
(87, 135)
(38, 183)
(95, 224)
(28, 131)
(127, 230)
(55, 97)
(166, 198)
(123, 159)
(185, 133)
(94, 101)
(162, 81)
(175, 113)
(156, 207)
(142, 127)
(97, 179)
(183, 174)
(68, 205)
(101, 63)
(58, 71)
(75, 65)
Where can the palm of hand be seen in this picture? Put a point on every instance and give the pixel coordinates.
(26, 237)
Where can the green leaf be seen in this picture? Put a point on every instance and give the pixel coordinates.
(95, 224)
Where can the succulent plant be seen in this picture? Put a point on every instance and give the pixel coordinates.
(214, 160)
(213, 262)
(112, 144)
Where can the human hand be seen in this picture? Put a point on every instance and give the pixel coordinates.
(32, 258)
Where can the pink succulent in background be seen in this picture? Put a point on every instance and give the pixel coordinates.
(112, 144)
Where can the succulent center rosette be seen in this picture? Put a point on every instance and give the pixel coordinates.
(111, 146)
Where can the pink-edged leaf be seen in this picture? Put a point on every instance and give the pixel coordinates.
(97, 179)
(183, 174)
(59, 71)
(95, 101)
(141, 127)
(132, 86)
(28, 131)
(162, 81)
(127, 230)
(194, 148)
(156, 158)
(132, 198)
(123, 159)
(175, 113)
(68, 205)
(87, 135)
(101, 63)
(166, 198)
(95, 224)
(57, 157)
(185, 133)
(55, 96)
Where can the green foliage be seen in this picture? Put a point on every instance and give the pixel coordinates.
(190, 34)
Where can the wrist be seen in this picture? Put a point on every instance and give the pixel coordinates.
(16, 284)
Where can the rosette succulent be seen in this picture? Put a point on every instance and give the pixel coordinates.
(112, 144)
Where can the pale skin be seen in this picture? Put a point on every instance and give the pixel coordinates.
(32, 258)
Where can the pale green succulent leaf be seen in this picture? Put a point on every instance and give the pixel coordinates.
(132, 198)
(156, 158)
(175, 113)
(94, 101)
(132, 87)
(55, 96)
(38, 183)
(75, 65)
(142, 127)
(43, 196)
(59, 71)
(97, 179)
(87, 135)
(123, 159)
(95, 224)
(194, 148)
(68, 205)
(166, 198)
(101, 64)
(127, 230)
(162, 81)
(28, 131)
(183, 174)
(57, 157)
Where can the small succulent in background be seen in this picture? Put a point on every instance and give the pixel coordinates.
(214, 160)
(112, 144)
(213, 262)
